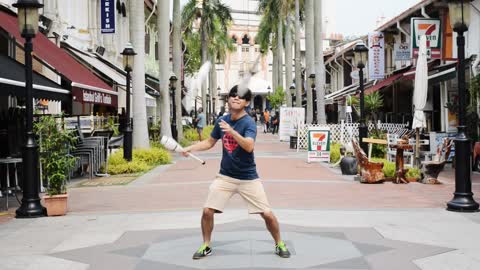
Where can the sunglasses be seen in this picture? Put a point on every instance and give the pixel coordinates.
(235, 94)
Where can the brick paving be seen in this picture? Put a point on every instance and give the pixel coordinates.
(289, 181)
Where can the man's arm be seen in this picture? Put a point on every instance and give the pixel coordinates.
(246, 143)
(200, 146)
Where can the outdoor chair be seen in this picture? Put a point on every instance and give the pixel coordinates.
(370, 172)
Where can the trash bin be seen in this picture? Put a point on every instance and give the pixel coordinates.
(293, 142)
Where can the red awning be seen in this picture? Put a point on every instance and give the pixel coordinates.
(84, 83)
(388, 81)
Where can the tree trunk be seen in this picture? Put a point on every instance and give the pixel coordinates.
(319, 65)
(309, 47)
(163, 25)
(298, 63)
(213, 86)
(139, 108)
(204, 39)
(274, 69)
(280, 54)
(177, 64)
(288, 61)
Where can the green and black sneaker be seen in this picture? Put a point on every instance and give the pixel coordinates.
(202, 252)
(281, 250)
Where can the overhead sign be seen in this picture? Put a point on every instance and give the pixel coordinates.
(290, 119)
(318, 144)
(401, 51)
(431, 28)
(88, 96)
(376, 55)
(107, 14)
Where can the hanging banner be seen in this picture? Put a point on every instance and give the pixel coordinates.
(318, 144)
(107, 15)
(401, 51)
(376, 55)
(431, 29)
(290, 119)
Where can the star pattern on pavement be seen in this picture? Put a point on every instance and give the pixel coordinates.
(247, 244)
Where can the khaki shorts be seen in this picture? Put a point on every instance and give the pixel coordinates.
(224, 187)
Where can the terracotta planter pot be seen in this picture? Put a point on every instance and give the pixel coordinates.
(412, 179)
(56, 205)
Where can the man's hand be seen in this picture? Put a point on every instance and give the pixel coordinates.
(226, 127)
(186, 151)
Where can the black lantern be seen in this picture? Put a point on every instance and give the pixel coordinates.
(128, 60)
(173, 85)
(459, 11)
(292, 94)
(360, 59)
(28, 26)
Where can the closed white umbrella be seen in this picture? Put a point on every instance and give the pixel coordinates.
(421, 86)
(420, 94)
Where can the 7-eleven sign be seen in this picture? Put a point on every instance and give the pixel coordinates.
(432, 29)
(319, 144)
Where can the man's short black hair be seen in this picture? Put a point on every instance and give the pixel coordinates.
(234, 92)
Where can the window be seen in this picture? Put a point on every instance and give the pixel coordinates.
(245, 49)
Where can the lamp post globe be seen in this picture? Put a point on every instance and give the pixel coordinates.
(360, 52)
(28, 25)
(173, 82)
(128, 55)
(292, 94)
(459, 12)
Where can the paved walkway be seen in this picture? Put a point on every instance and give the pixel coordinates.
(328, 221)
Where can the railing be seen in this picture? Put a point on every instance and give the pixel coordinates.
(343, 132)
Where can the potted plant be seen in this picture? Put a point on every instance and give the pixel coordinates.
(413, 175)
(56, 162)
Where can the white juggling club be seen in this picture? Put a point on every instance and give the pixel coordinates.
(172, 145)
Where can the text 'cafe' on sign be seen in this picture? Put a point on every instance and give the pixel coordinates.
(96, 97)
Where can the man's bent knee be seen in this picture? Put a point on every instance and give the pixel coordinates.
(267, 215)
(208, 212)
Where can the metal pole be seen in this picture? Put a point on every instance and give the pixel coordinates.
(174, 117)
(31, 206)
(362, 129)
(127, 133)
(462, 197)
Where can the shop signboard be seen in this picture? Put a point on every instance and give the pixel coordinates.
(290, 119)
(318, 144)
(431, 28)
(107, 16)
(376, 55)
(401, 51)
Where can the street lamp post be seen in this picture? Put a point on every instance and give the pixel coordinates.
(28, 24)
(360, 58)
(311, 77)
(173, 81)
(207, 109)
(462, 197)
(128, 60)
(292, 93)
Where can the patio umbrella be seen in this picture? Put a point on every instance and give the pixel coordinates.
(420, 92)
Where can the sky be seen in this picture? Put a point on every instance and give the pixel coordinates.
(358, 17)
(354, 17)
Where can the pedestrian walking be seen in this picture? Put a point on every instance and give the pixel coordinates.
(238, 172)
(275, 122)
(201, 122)
(266, 116)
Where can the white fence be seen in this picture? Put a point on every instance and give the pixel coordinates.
(343, 133)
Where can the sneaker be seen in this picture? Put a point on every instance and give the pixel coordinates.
(281, 250)
(202, 252)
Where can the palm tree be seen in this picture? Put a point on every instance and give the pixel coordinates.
(163, 25)
(137, 35)
(220, 44)
(177, 64)
(309, 47)
(319, 65)
(288, 60)
(298, 63)
(208, 11)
